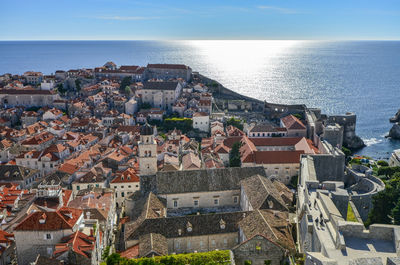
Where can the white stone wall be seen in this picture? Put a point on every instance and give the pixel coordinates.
(205, 199)
(202, 243)
(202, 123)
(31, 243)
(281, 172)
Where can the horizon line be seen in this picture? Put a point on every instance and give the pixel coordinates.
(5, 40)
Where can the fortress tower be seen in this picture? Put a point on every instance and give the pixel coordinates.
(147, 151)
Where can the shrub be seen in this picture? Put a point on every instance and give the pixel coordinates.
(235, 122)
(247, 262)
(382, 163)
(346, 151)
(212, 257)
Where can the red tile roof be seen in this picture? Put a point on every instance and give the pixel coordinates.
(273, 157)
(292, 123)
(63, 218)
(276, 141)
(78, 242)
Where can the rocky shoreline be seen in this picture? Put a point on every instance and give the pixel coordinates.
(225, 97)
(394, 132)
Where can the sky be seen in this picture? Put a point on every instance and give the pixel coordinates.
(199, 19)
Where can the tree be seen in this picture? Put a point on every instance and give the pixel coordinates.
(146, 106)
(298, 116)
(60, 89)
(346, 151)
(382, 163)
(126, 82)
(235, 122)
(234, 155)
(113, 259)
(78, 85)
(396, 213)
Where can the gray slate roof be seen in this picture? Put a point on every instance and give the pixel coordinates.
(258, 189)
(173, 227)
(160, 85)
(11, 173)
(204, 180)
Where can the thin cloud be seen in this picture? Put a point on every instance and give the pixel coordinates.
(127, 18)
(279, 9)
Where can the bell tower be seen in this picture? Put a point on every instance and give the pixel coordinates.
(147, 151)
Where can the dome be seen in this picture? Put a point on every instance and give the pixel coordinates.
(146, 129)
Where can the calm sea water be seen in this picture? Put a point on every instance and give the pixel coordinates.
(362, 76)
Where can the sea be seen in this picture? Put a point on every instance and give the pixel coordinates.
(337, 76)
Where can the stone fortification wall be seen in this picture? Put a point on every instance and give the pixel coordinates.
(365, 186)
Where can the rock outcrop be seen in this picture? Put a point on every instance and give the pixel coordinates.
(394, 133)
(355, 143)
(396, 117)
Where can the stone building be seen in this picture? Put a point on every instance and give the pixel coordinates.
(325, 194)
(147, 151)
(161, 95)
(168, 71)
(195, 190)
(27, 98)
(39, 232)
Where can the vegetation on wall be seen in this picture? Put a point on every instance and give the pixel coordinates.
(386, 203)
(235, 122)
(234, 155)
(212, 257)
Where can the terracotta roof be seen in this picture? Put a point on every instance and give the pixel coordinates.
(292, 123)
(200, 114)
(130, 253)
(129, 175)
(6, 237)
(63, 218)
(77, 242)
(273, 157)
(275, 141)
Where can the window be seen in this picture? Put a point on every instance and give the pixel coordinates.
(122, 194)
(213, 243)
(196, 203)
(216, 201)
(122, 187)
(78, 188)
(115, 187)
(97, 185)
(48, 236)
(129, 186)
(137, 186)
(225, 243)
(235, 199)
(50, 251)
(189, 245)
(175, 204)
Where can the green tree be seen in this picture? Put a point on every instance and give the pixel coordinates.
(146, 106)
(114, 259)
(234, 155)
(298, 116)
(382, 163)
(60, 89)
(346, 151)
(78, 85)
(396, 213)
(235, 122)
(126, 82)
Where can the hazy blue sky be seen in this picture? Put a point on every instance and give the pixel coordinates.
(199, 19)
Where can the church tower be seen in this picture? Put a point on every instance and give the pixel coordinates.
(147, 151)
